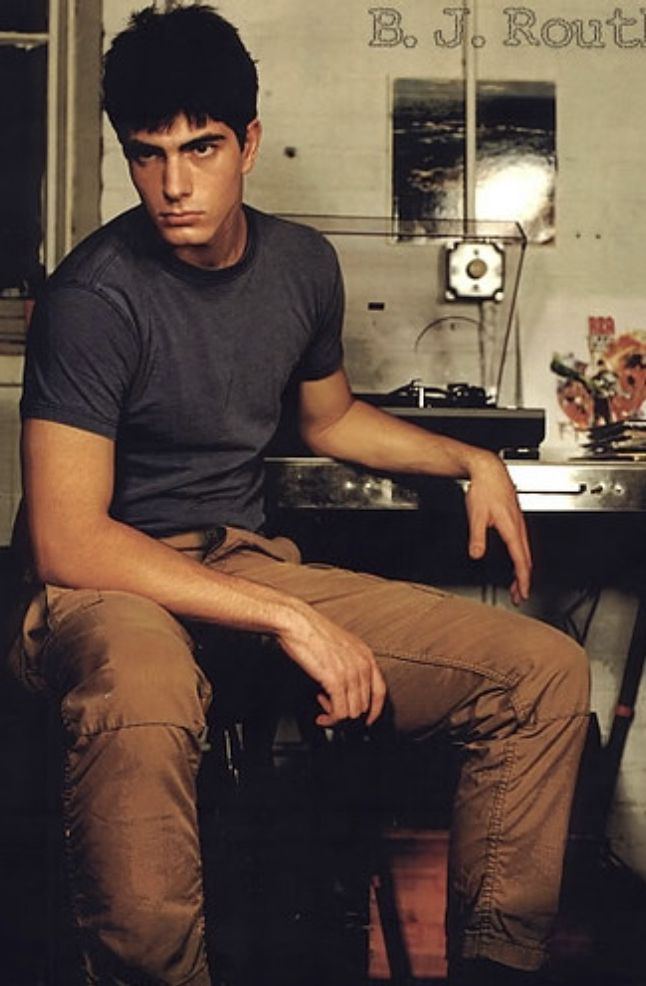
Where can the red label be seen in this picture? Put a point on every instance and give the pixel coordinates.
(601, 325)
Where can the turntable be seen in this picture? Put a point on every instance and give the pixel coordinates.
(433, 302)
(461, 411)
(464, 412)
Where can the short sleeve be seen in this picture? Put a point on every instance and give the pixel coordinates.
(80, 360)
(324, 355)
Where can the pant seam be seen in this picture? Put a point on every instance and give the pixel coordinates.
(508, 681)
(71, 869)
(499, 949)
(193, 730)
(493, 835)
(491, 936)
(563, 718)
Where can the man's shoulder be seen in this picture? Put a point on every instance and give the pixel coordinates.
(111, 253)
(291, 235)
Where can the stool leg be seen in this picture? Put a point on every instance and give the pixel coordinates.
(391, 928)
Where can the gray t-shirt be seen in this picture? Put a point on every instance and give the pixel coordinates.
(184, 368)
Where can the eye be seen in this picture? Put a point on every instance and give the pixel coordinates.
(141, 154)
(203, 149)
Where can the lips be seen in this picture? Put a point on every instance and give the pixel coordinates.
(179, 218)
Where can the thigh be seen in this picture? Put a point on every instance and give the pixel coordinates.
(111, 659)
(443, 656)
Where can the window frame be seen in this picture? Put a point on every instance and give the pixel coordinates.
(71, 184)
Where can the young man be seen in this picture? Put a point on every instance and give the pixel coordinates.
(157, 362)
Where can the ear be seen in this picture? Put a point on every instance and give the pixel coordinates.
(251, 145)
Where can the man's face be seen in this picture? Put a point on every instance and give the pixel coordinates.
(189, 179)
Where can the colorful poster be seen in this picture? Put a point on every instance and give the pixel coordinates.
(609, 384)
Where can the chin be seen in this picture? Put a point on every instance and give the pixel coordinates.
(182, 237)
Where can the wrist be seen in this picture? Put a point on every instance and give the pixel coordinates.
(481, 463)
(290, 617)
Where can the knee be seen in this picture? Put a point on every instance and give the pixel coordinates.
(561, 675)
(155, 944)
(126, 661)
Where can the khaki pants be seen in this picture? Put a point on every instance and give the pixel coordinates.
(513, 692)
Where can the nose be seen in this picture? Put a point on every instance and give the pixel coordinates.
(177, 182)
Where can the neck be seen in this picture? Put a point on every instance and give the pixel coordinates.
(224, 250)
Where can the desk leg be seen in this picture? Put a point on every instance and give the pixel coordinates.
(612, 752)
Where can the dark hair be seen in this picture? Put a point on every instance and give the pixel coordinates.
(188, 60)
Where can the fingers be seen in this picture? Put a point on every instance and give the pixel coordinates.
(344, 667)
(514, 535)
(503, 514)
(521, 557)
(378, 696)
(517, 594)
(477, 537)
(325, 718)
(352, 703)
(357, 696)
(480, 519)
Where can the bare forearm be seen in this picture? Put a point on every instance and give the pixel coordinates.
(118, 557)
(371, 437)
(105, 554)
(374, 438)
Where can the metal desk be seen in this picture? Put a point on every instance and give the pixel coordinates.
(323, 484)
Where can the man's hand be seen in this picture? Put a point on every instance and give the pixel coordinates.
(491, 502)
(342, 664)
(334, 423)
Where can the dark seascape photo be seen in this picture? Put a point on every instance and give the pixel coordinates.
(515, 153)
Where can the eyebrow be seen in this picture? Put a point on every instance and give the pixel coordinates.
(208, 138)
(135, 147)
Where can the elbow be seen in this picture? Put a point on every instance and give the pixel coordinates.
(325, 439)
(315, 442)
(60, 556)
(48, 560)
(322, 444)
